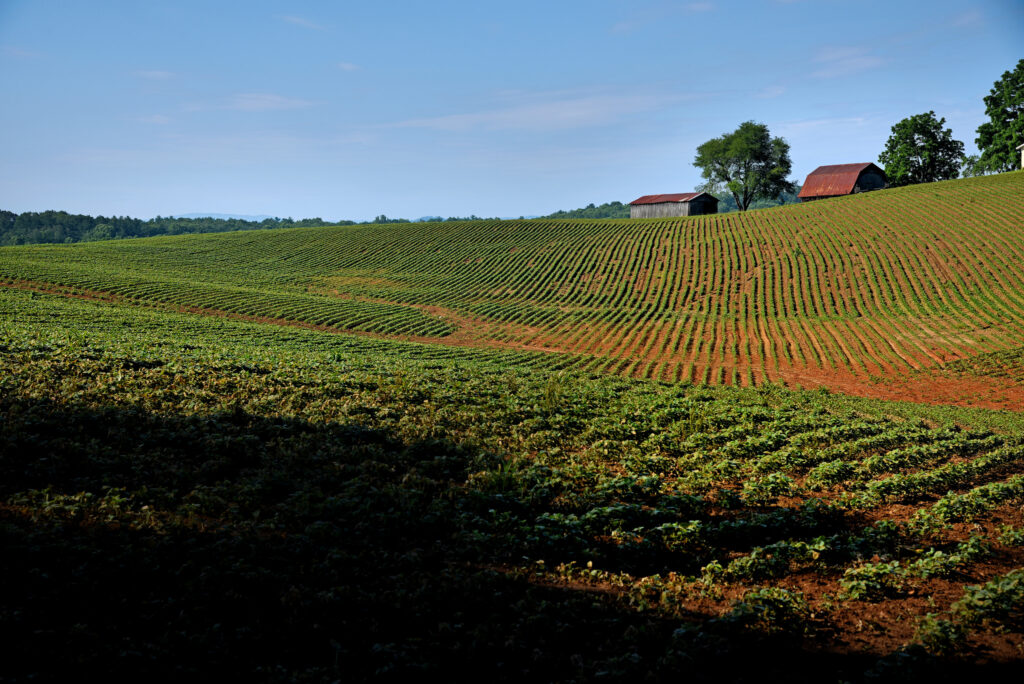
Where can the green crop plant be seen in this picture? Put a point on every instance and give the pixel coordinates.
(761, 297)
(939, 635)
(773, 610)
(872, 581)
(266, 487)
(1000, 600)
(1011, 536)
(767, 489)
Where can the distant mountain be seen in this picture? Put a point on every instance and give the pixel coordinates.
(243, 217)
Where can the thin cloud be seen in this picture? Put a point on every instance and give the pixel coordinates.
(970, 19)
(348, 66)
(562, 114)
(839, 61)
(845, 122)
(154, 74)
(657, 14)
(18, 52)
(769, 92)
(304, 23)
(263, 102)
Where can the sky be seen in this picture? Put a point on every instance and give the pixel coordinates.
(348, 110)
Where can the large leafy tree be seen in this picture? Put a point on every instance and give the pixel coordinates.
(999, 136)
(921, 151)
(748, 163)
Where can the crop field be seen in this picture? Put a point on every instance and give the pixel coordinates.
(872, 294)
(194, 496)
(524, 450)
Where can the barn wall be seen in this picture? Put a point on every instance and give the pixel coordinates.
(659, 210)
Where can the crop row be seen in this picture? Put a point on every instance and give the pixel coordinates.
(297, 497)
(869, 285)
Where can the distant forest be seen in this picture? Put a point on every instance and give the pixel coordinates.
(726, 203)
(35, 227)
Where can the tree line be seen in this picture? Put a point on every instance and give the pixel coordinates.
(47, 227)
(34, 227)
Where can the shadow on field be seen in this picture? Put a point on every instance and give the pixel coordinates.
(138, 545)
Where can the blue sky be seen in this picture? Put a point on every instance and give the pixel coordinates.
(353, 109)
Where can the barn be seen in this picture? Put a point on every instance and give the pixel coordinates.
(679, 204)
(841, 179)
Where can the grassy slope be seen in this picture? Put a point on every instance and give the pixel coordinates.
(841, 292)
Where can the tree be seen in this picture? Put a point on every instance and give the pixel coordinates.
(999, 136)
(921, 151)
(748, 163)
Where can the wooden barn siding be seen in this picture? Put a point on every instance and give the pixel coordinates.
(660, 210)
(669, 209)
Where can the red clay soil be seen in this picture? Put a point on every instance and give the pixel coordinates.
(924, 387)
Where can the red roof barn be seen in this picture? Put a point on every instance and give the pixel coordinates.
(679, 204)
(841, 179)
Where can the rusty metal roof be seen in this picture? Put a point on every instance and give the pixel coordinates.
(837, 179)
(678, 197)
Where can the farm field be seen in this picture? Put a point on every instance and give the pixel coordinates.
(183, 495)
(524, 450)
(875, 294)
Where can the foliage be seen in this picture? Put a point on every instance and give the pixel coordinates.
(999, 137)
(727, 203)
(49, 227)
(607, 210)
(872, 581)
(61, 227)
(748, 164)
(971, 166)
(1000, 600)
(324, 506)
(1005, 363)
(939, 635)
(744, 299)
(920, 151)
(1011, 536)
(772, 609)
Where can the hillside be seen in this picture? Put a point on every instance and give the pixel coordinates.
(186, 495)
(872, 294)
(199, 477)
